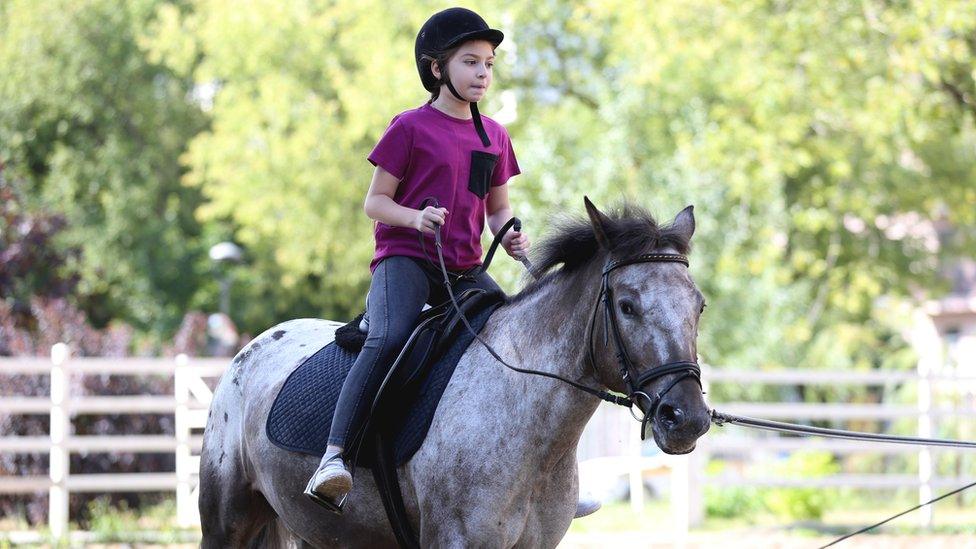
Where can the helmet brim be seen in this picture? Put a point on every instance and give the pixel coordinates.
(491, 35)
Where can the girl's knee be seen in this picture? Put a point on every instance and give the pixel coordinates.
(389, 339)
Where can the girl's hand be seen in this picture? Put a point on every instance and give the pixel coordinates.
(425, 220)
(516, 244)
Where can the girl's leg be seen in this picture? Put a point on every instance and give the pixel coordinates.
(397, 293)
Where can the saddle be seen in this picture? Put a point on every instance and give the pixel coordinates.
(401, 413)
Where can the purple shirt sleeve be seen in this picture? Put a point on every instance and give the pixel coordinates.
(392, 153)
(507, 166)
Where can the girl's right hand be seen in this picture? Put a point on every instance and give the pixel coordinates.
(428, 218)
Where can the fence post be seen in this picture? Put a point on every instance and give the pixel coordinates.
(59, 464)
(636, 473)
(181, 389)
(925, 466)
(680, 487)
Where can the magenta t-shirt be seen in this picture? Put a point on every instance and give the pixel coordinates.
(430, 152)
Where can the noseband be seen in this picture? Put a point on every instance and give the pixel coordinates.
(636, 384)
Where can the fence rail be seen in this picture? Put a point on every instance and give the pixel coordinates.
(611, 433)
(687, 473)
(189, 405)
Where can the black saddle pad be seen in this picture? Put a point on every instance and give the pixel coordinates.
(302, 412)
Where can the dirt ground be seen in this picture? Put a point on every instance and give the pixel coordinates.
(759, 540)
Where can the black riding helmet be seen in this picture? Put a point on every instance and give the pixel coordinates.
(445, 30)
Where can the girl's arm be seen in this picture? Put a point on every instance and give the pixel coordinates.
(499, 211)
(381, 207)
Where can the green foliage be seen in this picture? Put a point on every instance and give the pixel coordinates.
(802, 503)
(96, 130)
(732, 502)
(814, 138)
(729, 502)
(801, 133)
(301, 92)
(154, 524)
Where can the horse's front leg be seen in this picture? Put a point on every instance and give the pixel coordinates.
(468, 504)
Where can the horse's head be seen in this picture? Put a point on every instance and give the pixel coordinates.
(644, 330)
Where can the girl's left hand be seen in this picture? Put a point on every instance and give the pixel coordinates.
(516, 244)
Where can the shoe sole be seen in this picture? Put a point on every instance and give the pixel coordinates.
(338, 485)
(341, 485)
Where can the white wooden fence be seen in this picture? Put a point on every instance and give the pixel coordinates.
(189, 403)
(610, 444)
(687, 473)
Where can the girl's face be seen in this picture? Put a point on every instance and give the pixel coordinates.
(470, 69)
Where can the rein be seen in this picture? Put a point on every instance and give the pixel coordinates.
(637, 394)
(686, 368)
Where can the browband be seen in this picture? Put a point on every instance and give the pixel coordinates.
(647, 258)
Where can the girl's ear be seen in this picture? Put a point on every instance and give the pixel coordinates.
(599, 222)
(435, 70)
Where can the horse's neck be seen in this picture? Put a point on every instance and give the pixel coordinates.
(546, 331)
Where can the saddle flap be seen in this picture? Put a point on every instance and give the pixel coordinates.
(427, 342)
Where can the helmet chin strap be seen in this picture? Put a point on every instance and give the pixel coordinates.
(475, 115)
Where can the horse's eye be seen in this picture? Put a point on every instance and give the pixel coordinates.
(702, 308)
(626, 307)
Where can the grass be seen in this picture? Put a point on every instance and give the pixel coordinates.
(656, 516)
(152, 525)
(156, 525)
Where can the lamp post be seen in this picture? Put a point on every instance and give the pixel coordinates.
(223, 254)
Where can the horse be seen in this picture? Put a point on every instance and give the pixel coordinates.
(498, 466)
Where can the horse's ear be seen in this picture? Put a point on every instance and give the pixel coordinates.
(599, 223)
(684, 222)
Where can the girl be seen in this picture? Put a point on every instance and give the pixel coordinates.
(443, 150)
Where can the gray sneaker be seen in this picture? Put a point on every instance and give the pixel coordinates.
(330, 483)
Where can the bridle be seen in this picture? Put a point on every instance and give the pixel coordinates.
(637, 395)
(635, 384)
(686, 368)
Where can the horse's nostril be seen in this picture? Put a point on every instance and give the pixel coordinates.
(669, 414)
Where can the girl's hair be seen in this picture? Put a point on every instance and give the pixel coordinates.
(441, 58)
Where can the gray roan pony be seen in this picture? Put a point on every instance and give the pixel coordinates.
(498, 467)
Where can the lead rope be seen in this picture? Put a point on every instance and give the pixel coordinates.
(720, 419)
(889, 519)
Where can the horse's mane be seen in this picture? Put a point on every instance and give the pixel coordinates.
(572, 244)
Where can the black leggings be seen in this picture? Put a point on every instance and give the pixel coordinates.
(397, 293)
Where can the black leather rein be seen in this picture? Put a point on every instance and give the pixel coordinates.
(638, 395)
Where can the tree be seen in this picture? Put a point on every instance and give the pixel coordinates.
(298, 93)
(816, 162)
(95, 130)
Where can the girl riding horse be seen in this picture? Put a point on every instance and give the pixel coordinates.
(443, 150)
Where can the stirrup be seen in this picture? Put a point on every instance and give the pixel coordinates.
(335, 507)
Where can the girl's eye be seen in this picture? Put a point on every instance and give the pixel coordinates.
(627, 308)
(490, 65)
